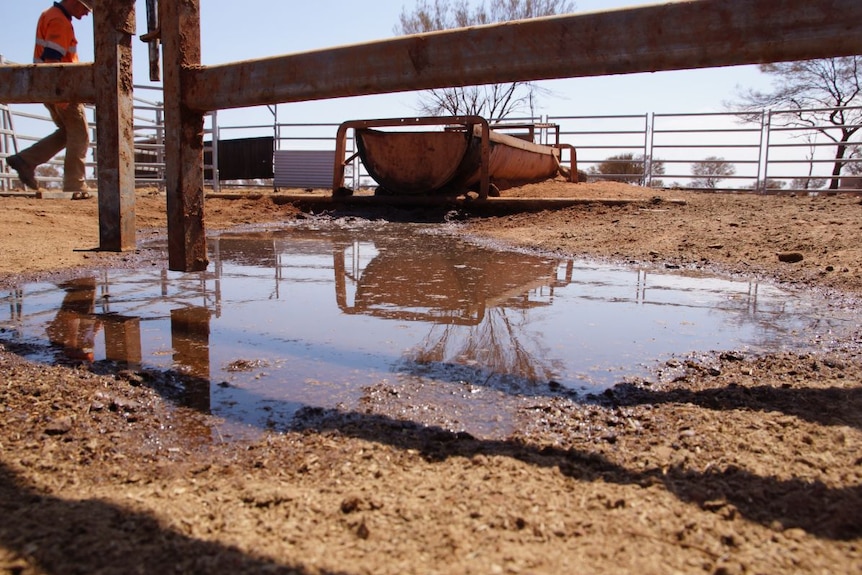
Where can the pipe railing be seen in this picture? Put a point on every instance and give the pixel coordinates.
(665, 146)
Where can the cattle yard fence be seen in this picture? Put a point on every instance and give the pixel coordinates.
(720, 151)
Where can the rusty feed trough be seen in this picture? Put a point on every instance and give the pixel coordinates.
(467, 155)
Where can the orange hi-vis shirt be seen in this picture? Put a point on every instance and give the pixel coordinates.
(55, 37)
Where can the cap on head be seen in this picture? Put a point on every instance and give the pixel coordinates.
(88, 4)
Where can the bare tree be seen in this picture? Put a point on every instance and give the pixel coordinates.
(809, 182)
(817, 94)
(493, 101)
(710, 171)
(854, 167)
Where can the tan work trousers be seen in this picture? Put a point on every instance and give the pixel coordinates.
(71, 134)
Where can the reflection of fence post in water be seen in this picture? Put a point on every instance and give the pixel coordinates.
(16, 304)
(122, 339)
(190, 339)
(339, 253)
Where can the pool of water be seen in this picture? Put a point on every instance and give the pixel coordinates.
(392, 317)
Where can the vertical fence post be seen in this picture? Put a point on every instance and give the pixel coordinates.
(216, 181)
(356, 172)
(9, 143)
(160, 144)
(649, 135)
(6, 125)
(765, 133)
(184, 141)
(153, 26)
(276, 139)
(113, 28)
(4, 142)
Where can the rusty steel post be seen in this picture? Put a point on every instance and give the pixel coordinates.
(573, 160)
(152, 38)
(114, 27)
(184, 144)
(667, 36)
(340, 150)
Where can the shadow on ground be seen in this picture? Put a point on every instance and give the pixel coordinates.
(93, 536)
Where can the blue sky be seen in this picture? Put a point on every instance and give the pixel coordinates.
(246, 29)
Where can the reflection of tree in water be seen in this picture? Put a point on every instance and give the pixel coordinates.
(492, 353)
(774, 316)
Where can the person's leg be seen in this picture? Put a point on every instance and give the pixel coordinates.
(49, 146)
(26, 161)
(77, 145)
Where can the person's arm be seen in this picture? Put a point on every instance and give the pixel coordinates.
(52, 56)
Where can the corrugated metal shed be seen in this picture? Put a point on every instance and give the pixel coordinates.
(304, 168)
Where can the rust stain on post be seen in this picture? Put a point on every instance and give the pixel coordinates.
(113, 31)
(180, 28)
(672, 36)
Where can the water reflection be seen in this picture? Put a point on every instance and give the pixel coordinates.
(412, 282)
(74, 327)
(190, 340)
(393, 320)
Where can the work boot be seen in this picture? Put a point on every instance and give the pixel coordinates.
(26, 173)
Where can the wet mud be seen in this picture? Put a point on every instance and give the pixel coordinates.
(727, 462)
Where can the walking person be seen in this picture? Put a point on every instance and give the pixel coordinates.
(56, 43)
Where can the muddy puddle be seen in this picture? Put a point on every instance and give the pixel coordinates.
(391, 319)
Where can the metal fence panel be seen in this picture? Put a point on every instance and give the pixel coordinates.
(765, 151)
